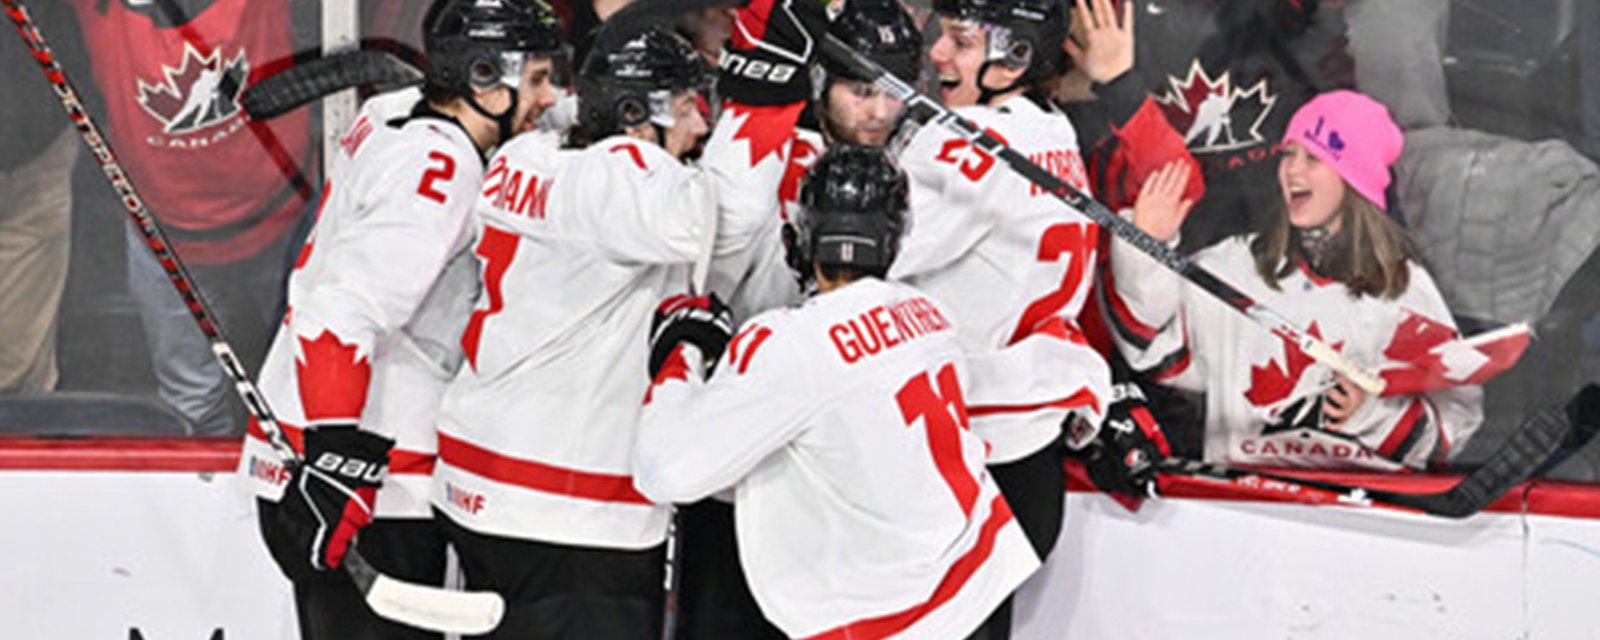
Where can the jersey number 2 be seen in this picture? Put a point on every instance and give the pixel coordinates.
(441, 167)
(944, 415)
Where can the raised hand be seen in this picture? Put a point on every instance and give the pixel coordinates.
(1161, 207)
(1107, 49)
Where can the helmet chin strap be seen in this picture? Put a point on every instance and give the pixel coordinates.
(503, 119)
(987, 95)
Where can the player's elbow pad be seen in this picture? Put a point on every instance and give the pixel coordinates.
(657, 480)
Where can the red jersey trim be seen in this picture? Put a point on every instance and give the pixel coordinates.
(1136, 332)
(1082, 398)
(538, 476)
(961, 571)
(1407, 430)
(401, 461)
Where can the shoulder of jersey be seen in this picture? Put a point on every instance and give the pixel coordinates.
(624, 150)
(1230, 256)
(418, 143)
(539, 149)
(386, 107)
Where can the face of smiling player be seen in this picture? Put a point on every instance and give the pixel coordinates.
(958, 55)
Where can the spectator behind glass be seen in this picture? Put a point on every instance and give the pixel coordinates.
(1329, 259)
(228, 191)
(35, 209)
(1227, 74)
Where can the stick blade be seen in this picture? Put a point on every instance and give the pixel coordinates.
(297, 86)
(1517, 459)
(460, 612)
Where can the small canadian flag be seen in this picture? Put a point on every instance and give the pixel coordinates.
(1426, 356)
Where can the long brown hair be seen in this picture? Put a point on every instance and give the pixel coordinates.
(1369, 254)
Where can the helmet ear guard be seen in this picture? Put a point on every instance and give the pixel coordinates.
(631, 111)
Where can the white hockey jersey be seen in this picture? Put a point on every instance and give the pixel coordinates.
(377, 300)
(1264, 398)
(578, 247)
(760, 160)
(1016, 265)
(863, 507)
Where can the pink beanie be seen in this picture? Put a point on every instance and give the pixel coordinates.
(1353, 133)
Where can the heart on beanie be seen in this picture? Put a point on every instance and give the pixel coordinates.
(1335, 142)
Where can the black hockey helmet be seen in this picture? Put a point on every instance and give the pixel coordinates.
(852, 213)
(633, 82)
(883, 31)
(1023, 34)
(475, 44)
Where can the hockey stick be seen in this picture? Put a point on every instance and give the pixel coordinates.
(302, 84)
(1538, 439)
(672, 578)
(925, 108)
(417, 605)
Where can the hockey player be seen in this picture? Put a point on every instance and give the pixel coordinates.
(851, 109)
(377, 301)
(536, 433)
(763, 154)
(1016, 261)
(863, 506)
(1332, 261)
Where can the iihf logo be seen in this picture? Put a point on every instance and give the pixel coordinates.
(1214, 115)
(200, 92)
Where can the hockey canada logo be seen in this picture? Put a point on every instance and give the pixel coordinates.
(1213, 114)
(202, 91)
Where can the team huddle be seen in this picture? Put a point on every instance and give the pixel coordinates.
(847, 352)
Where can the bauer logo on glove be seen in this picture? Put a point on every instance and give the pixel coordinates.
(358, 470)
(330, 499)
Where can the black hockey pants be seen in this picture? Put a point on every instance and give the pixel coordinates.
(328, 604)
(563, 592)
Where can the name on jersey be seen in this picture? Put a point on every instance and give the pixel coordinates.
(516, 193)
(358, 133)
(885, 327)
(1064, 164)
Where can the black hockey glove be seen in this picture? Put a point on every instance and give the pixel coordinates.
(1122, 458)
(702, 321)
(767, 60)
(330, 495)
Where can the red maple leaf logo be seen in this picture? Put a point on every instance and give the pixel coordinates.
(200, 92)
(1415, 337)
(1214, 115)
(1273, 381)
(333, 379)
(766, 128)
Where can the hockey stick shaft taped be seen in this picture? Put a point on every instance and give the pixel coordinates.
(302, 84)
